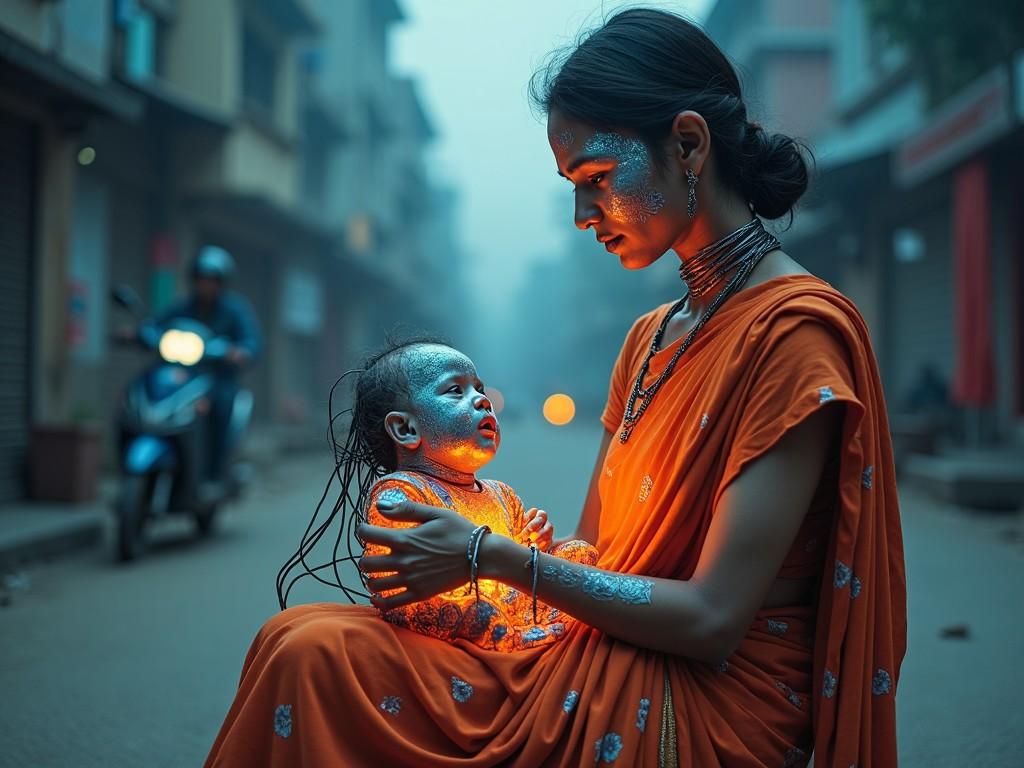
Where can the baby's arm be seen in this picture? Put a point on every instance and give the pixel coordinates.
(393, 490)
(533, 525)
(527, 525)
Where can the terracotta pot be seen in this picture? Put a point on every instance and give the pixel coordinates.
(65, 463)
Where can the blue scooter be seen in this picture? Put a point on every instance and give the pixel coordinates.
(162, 418)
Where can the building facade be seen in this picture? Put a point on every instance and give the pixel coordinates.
(913, 212)
(136, 131)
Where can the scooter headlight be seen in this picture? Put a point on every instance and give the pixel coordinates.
(185, 347)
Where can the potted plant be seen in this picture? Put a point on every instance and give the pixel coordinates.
(65, 458)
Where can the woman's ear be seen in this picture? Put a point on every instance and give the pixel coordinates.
(691, 141)
(401, 428)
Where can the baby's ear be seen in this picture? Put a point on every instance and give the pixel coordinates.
(401, 428)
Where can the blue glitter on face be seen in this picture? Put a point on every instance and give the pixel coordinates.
(447, 409)
(632, 197)
(562, 139)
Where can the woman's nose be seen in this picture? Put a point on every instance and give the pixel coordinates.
(586, 214)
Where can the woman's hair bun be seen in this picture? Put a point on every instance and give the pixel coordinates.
(773, 174)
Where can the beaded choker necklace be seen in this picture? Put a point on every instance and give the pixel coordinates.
(741, 251)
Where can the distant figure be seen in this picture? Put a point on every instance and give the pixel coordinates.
(227, 314)
(929, 393)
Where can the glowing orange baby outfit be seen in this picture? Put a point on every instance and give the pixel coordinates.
(331, 684)
(502, 619)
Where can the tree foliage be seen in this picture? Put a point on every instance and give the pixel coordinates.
(951, 41)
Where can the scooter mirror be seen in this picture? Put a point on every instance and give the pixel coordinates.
(125, 296)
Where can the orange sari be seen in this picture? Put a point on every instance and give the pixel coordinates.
(330, 684)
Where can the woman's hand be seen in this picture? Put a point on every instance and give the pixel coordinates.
(424, 561)
(537, 529)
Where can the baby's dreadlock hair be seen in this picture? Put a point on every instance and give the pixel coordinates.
(381, 386)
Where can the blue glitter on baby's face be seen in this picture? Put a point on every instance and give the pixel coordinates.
(451, 408)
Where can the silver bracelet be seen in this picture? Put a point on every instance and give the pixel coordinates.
(473, 552)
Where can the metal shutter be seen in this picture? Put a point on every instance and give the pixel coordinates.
(16, 204)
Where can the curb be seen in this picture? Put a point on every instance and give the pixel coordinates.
(31, 532)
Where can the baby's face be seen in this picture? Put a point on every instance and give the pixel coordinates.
(455, 418)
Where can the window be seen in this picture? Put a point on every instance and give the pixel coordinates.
(139, 41)
(259, 72)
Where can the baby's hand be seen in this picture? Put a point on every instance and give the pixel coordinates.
(537, 529)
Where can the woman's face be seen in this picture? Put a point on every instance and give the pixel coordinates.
(636, 206)
(452, 415)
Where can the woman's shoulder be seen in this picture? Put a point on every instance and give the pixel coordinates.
(800, 297)
(643, 328)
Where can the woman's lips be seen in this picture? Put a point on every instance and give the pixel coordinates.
(611, 245)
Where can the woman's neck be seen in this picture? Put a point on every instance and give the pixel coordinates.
(711, 225)
(428, 466)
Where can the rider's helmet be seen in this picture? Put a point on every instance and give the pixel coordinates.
(213, 261)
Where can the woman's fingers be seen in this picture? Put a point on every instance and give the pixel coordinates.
(374, 534)
(397, 600)
(378, 564)
(384, 583)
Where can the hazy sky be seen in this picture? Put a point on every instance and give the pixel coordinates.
(472, 60)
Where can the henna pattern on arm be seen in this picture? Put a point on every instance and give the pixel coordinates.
(601, 586)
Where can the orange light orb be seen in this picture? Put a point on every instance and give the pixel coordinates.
(497, 399)
(559, 409)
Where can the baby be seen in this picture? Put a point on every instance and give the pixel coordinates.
(426, 416)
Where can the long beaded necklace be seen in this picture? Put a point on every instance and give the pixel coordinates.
(741, 250)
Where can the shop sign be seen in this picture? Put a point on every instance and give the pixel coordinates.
(977, 116)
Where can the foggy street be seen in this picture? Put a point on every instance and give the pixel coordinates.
(110, 665)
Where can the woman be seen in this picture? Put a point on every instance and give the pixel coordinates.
(749, 604)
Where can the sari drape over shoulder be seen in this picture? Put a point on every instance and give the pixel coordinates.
(329, 684)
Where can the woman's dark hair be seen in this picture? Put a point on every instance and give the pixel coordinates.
(366, 455)
(642, 68)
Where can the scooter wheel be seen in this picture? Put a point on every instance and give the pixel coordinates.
(131, 517)
(205, 518)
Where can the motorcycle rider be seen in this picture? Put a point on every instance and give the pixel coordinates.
(227, 314)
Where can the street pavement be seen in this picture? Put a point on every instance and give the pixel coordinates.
(109, 665)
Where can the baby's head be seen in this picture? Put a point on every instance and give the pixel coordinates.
(422, 402)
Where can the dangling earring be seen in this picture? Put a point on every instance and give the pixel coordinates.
(691, 198)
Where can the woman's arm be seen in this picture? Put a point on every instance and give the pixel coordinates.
(704, 618)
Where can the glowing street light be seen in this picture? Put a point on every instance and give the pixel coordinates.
(559, 409)
(497, 399)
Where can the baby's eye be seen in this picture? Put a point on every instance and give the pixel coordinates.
(454, 388)
(596, 178)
